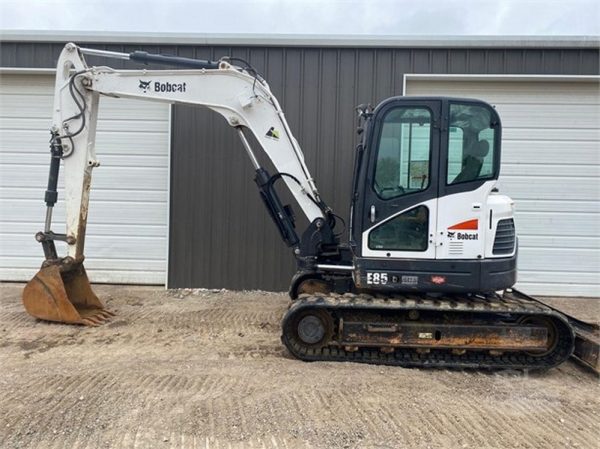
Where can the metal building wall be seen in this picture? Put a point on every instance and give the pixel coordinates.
(220, 235)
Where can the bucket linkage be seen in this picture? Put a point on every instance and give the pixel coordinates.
(60, 291)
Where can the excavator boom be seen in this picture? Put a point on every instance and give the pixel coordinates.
(61, 291)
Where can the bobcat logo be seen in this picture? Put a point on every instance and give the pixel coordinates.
(451, 234)
(144, 85)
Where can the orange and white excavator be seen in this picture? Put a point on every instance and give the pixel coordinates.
(430, 241)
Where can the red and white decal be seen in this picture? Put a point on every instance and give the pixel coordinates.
(469, 225)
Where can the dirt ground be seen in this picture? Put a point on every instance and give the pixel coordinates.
(206, 369)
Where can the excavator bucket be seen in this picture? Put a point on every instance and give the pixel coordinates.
(64, 296)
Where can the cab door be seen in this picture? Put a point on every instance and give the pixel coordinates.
(469, 167)
(399, 209)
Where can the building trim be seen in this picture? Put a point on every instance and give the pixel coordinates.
(303, 40)
(25, 71)
(506, 78)
(169, 150)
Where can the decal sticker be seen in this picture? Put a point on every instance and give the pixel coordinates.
(145, 85)
(438, 279)
(470, 225)
(157, 86)
(410, 280)
(272, 133)
(377, 278)
(462, 236)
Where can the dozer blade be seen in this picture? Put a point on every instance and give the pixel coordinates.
(64, 296)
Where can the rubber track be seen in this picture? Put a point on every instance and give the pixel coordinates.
(509, 305)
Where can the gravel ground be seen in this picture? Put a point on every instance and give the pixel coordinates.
(206, 369)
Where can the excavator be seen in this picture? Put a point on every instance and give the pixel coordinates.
(425, 275)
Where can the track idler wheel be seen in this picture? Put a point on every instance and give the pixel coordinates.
(312, 328)
(549, 324)
(63, 294)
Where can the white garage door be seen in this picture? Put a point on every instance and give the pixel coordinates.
(550, 166)
(127, 226)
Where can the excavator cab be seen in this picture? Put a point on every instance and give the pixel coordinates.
(427, 214)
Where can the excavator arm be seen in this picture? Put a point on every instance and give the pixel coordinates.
(239, 94)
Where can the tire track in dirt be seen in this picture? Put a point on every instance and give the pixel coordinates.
(546, 416)
(70, 405)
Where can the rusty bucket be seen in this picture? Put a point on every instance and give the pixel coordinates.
(64, 294)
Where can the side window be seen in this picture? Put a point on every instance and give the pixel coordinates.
(470, 144)
(406, 232)
(403, 152)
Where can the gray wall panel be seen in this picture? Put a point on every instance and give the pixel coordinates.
(220, 235)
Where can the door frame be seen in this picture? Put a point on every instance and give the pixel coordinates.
(390, 208)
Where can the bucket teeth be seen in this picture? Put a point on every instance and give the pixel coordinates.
(97, 318)
(89, 322)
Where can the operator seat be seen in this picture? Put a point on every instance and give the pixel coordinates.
(473, 161)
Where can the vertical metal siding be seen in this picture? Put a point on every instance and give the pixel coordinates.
(220, 235)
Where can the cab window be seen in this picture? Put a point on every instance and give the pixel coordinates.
(471, 143)
(406, 232)
(403, 152)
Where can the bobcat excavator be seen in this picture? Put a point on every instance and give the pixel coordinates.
(430, 239)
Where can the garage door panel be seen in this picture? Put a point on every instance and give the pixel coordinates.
(527, 92)
(97, 275)
(117, 194)
(551, 168)
(34, 146)
(11, 84)
(579, 260)
(133, 110)
(576, 116)
(27, 106)
(559, 286)
(127, 225)
(104, 125)
(557, 224)
(106, 212)
(106, 160)
(563, 188)
(102, 247)
(559, 277)
(27, 230)
(131, 266)
(558, 241)
(124, 178)
(549, 135)
(128, 265)
(40, 107)
(557, 206)
(543, 152)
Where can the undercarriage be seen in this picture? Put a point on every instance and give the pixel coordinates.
(458, 331)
